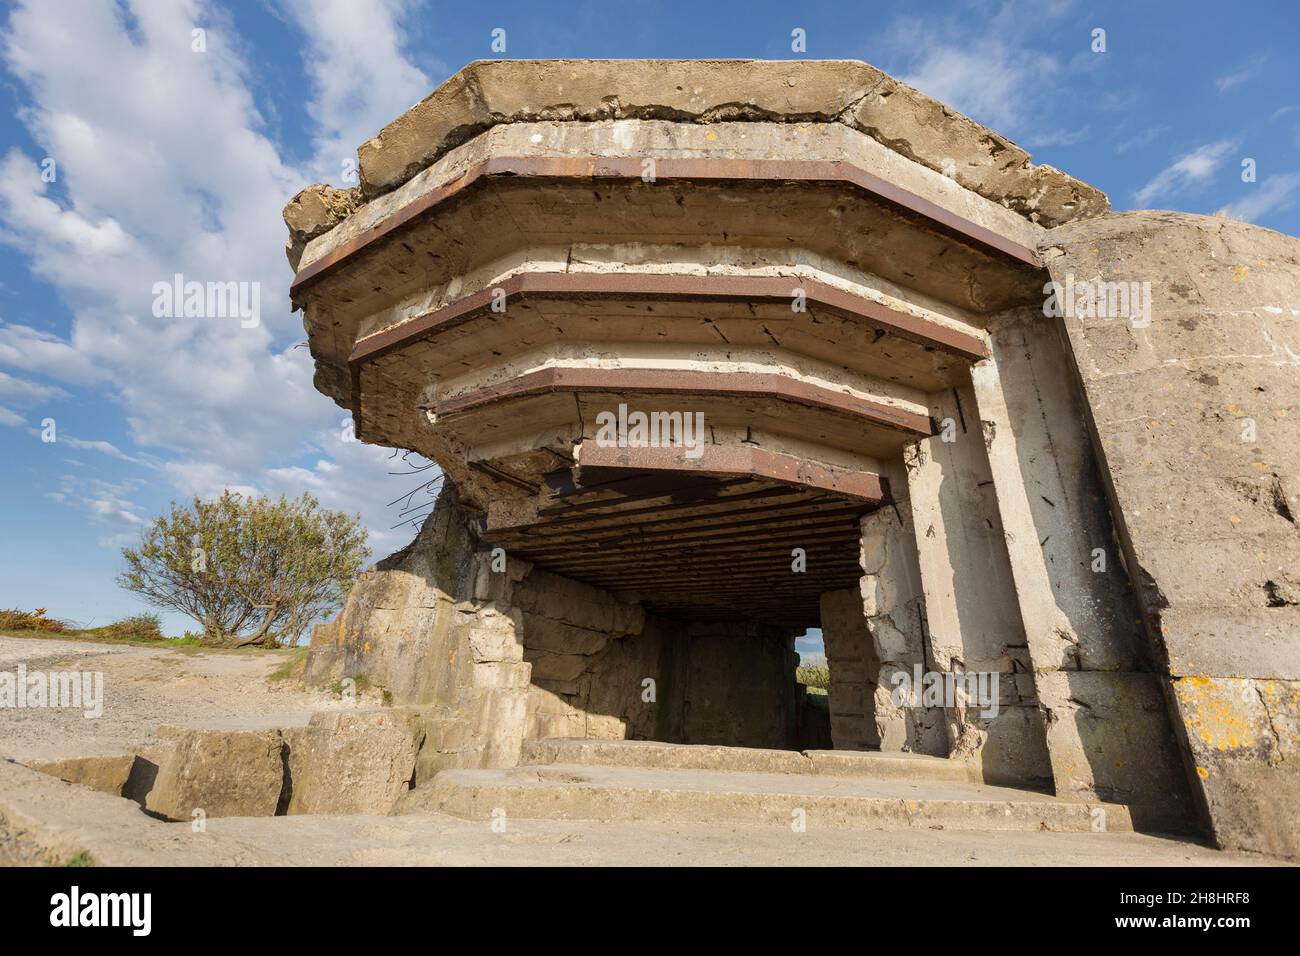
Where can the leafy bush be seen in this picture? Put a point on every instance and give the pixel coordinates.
(248, 570)
(16, 620)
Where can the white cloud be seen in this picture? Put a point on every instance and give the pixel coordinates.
(990, 67)
(1272, 195)
(165, 165)
(24, 347)
(1144, 138)
(107, 448)
(11, 418)
(989, 80)
(23, 391)
(1240, 75)
(360, 73)
(106, 504)
(1188, 171)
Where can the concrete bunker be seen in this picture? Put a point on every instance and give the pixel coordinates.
(846, 281)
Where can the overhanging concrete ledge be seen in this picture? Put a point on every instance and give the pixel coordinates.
(927, 213)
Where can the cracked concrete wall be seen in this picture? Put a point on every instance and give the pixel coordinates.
(490, 658)
(1194, 413)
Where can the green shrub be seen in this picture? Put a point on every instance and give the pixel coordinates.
(249, 570)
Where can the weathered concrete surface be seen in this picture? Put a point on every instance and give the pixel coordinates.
(312, 212)
(316, 211)
(124, 775)
(221, 774)
(1108, 735)
(56, 822)
(491, 658)
(972, 618)
(627, 794)
(493, 92)
(351, 761)
(1195, 417)
(1110, 576)
(840, 763)
(854, 671)
(893, 602)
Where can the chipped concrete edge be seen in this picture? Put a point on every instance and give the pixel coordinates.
(488, 93)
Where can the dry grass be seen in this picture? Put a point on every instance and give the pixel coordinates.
(16, 620)
(814, 677)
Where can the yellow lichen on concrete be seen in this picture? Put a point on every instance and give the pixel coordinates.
(1214, 712)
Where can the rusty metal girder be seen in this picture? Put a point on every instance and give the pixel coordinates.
(687, 382)
(804, 172)
(671, 288)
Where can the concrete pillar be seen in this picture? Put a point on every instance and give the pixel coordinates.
(971, 609)
(851, 659)
(1107, 733)
(893, 604)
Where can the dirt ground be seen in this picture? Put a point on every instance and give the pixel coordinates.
(146, 688)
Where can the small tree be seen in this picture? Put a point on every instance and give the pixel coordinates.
(249, 570)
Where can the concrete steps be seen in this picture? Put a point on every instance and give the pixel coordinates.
(622, 782)
(654, 755)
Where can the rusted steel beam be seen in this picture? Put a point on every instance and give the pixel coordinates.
(823, 545)
(675, 288)
(733, 460)
(640, 547)
(739, 526)
(757, 576)
(686, 382)
(675, 514)
(630, 169)
(559, 518)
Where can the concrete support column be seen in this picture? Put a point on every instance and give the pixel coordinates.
(971, 608)
(851, 659)
(894, 607)
(1107, 734)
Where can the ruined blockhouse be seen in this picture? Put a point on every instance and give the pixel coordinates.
(955, 413)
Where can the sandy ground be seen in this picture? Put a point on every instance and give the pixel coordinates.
(146, 688)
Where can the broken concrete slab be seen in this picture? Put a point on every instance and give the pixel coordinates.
(351, 761)
(215, 773)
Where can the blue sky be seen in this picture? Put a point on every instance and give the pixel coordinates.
(167, 160)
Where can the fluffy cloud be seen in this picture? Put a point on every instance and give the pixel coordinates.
(26, 392)
(1273, 194)
(360, 73)
(165, 165)
(991, 70)
(1186, 172)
